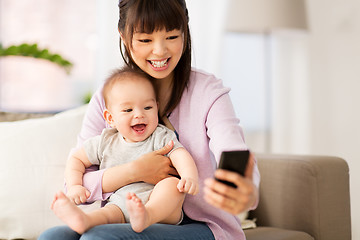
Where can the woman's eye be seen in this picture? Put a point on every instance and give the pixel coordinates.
(148, 108)
(144, 40)
(173, 37)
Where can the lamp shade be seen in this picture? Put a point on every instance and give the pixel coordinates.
(265, 15)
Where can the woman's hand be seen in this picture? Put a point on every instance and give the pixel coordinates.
(229, 199)
(151, 168)
(154, 166)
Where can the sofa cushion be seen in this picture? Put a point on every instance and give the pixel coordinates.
(269, 233)
(11, 116)
(33, 157)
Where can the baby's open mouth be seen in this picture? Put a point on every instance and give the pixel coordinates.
(139, 127)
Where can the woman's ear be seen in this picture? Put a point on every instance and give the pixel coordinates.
(122, 40)
(108, 117)
(121, 36)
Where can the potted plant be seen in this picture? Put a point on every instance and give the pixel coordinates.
(32, 50)
(26, 83)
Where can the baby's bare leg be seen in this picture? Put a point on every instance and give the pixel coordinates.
(164, 206)
(80, 221)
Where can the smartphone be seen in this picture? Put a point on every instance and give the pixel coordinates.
(235, 161)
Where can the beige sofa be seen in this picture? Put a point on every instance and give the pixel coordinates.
(301, 197)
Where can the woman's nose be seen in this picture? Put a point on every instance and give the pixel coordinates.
(159, 48)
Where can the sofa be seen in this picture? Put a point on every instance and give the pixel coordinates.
(301, 197)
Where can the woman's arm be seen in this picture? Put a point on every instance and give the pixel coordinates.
(226, 134)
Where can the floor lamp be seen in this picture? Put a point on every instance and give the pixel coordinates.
(264, 16)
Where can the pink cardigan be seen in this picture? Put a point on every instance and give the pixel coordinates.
(207, 125)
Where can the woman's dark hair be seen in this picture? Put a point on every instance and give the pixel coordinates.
(147, 16)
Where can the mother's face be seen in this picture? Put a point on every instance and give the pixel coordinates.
(157, 53)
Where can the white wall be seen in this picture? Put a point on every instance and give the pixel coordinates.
(108, 54)
(335, 85)
(206, 25)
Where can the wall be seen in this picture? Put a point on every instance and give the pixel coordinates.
(335, 85)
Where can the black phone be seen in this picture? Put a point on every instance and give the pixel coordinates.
(235, 161)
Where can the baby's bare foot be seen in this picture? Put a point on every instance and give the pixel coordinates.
(137, 212)
(69, 213)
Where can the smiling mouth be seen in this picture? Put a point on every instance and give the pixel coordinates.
(159, 64)
(139, 128)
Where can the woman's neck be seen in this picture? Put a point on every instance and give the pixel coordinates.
(164, 87)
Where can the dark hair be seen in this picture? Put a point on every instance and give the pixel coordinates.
(122, 74)
(148, 16)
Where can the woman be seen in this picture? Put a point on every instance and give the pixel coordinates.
(155, 37)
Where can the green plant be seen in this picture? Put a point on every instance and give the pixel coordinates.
(32, 50)
(87, 97)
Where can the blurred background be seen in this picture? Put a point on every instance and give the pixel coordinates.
(294, 71)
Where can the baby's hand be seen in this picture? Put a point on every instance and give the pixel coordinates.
(188, 185)
(78, 194)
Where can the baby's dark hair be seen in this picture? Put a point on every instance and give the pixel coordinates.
(121, 74)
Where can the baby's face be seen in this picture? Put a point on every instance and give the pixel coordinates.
(134, 109)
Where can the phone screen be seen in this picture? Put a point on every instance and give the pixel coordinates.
(235, 161)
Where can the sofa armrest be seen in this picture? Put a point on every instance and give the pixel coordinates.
(305, 193)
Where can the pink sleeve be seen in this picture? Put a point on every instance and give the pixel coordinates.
(93, 124)
(225, 133)
(92, 180)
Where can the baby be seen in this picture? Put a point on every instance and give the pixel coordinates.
(132, 112)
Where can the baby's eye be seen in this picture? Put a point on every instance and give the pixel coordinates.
(127, 110)
(148, 108)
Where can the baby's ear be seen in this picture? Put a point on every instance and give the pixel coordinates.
(108, 117)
